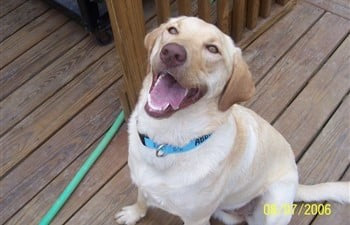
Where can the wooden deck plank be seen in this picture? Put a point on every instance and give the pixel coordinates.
(289, 75)
(340, 213)
(86, 128)
(34, 173)
(34, 92)
(325, 159)
(116, 194)
(19, 17)
(266, 50)
(7, 6)
(38, 57)
(302, 119)
(46, 119)
(30, 35)
(339, 7)
(112, 160)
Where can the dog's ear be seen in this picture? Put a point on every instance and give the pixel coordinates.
(151, 38)
(240, 86)
(149, 42)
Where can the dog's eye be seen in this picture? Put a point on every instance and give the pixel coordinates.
(172, 30)
(213, 49)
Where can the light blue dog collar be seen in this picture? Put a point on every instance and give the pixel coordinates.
(165, 149)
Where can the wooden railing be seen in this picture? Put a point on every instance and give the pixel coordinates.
(243, 20)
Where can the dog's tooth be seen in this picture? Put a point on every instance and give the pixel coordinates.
(159, 78)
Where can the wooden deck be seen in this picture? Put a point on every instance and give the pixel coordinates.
(58, 93)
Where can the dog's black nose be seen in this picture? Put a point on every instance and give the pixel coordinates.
(173, 55)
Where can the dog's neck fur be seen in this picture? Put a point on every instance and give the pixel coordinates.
(182, 126)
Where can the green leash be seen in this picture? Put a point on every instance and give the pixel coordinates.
(73, 184)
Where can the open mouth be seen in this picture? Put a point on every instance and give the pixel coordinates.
(167, 96)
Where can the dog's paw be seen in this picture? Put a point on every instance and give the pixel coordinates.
(129, 215)
(227, 218)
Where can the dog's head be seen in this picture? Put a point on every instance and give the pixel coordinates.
(190, 61)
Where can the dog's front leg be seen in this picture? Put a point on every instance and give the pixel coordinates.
(129, 215)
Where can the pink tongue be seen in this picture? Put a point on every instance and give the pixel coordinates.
(166, 91)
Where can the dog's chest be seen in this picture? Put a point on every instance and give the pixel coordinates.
(176, 197)
(185, 186)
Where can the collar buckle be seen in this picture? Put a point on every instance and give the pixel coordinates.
(159, 151)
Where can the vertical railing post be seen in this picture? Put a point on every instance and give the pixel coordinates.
(128, 27)
(265, 8)
(184, 7)
(224, 15)
(238, 19)
(163, 10)
(252, 13)
(204, 10)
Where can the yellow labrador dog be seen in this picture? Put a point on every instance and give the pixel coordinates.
(194, 152)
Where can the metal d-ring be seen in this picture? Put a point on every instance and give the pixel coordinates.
(160, 152)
